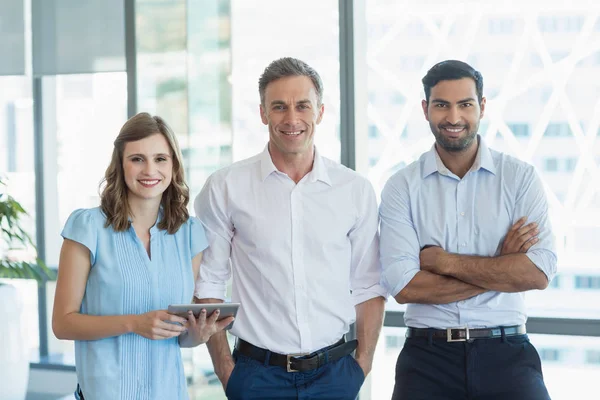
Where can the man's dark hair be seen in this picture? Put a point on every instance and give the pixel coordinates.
(285, 67)
(450, 70)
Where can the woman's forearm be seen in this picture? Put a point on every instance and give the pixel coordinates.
(77, 326)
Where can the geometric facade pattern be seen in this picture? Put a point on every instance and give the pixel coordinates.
(540, 63)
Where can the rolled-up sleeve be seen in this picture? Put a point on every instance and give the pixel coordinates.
(399, 242)
(365, 271)
(211, 208)
(531, 202)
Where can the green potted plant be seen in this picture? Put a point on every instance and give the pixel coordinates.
(18, 259)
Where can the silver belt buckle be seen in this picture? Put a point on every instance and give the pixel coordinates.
(449, 335)
(289, 361)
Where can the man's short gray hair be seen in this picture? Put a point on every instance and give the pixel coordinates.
(285, 67)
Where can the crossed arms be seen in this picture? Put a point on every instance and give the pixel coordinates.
(432, 275)
(447, 277)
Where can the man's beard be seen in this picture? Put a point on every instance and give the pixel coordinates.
(454, 145)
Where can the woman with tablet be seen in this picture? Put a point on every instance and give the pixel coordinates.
(123, 263)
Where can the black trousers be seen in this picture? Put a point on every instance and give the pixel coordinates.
(507, 368)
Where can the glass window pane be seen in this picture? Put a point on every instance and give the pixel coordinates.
(382, 376)
(184, 76)
(16, 144)
(83, 115)
(255, 44)
(90, 110)
(17, 171)
(77, 37)
(570, 365)
(12, 37)
(542, 108)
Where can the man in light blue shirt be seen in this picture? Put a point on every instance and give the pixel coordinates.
(464, 232)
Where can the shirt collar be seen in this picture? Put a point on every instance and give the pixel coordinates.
(318, 172)
(433, 163)
(266, 164)
(484, 157)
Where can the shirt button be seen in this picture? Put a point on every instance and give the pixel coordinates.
(462, 213)
(464, 245)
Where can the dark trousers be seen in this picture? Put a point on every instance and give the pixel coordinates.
(251, 379)
(506, 368)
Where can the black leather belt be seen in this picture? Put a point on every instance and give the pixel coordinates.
(298, 362)
(464, 334)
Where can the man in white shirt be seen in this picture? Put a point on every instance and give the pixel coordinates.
(299, 232)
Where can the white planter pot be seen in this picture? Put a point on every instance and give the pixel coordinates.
(14, 352)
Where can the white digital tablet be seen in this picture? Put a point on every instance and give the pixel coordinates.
(227, 310)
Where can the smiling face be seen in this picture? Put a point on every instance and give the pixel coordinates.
(147, 168)
(291, 111)
(454, 113)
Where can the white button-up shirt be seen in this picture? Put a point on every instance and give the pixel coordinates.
(302, 255)
(426, 204)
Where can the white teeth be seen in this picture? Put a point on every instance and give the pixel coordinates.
(149, 182)
(454, 130)
(292, 133)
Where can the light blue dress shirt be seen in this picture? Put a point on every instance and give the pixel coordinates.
(426, 204)
(124, 280)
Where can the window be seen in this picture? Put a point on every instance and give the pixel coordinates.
(587, 282)
(557, 56)
(373, 132)
(393, 341)
(17, 170)
(16, 143)
(549, 354)
(383, 373)
(524, 108)
(551, 164)
(563, 24)
(88, 111)
(254, 46)
(501, 26)
(570, 164)
(519, 129)
(535, 61)
(416, 28)
(548, 24)
(566, 373)
(592, 357)
(557, 130)
(201, 77)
